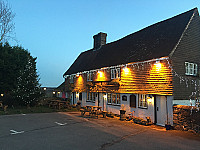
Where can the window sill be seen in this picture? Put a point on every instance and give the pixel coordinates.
(116, 104)
(113, 104)
(194, 75)
(143, 107)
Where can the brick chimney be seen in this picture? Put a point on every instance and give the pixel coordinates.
(99, 40)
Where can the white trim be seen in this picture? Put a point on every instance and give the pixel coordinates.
(173, 50)
(191, 69)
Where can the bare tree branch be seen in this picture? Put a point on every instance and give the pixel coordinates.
(6, 22)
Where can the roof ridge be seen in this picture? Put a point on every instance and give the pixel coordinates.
(153, 25)
(154, 41)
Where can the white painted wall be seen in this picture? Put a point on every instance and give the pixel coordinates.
(138, 112)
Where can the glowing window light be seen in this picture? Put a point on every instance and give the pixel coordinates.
(54, 92)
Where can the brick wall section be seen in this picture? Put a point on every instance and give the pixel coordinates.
(187, 50)
(186, 118)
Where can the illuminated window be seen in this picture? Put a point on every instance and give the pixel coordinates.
(190, 69)
(109, 98)
(89, 76)
(142, 101)
(113, 99)
(115, 73)
(118, 99)
(90, 97)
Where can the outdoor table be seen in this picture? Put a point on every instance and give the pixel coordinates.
(93, 110)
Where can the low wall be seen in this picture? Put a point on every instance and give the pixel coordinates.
(186, 118)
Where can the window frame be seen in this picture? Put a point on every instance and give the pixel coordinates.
(142, 101)
(115, 73)
(91, 97)
(191, 69)
(113, 99)
(90, 76)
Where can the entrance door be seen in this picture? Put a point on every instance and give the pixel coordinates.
(133, 101)
(103, 101)
(161, 113)
(73, 98)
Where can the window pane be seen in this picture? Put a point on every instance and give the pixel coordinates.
(191, 69)
(115, 73)
(114, 98)
(118, 99)
(186, 68)
(112, 76)
(195, 69)
(141, 100)
(109, 97)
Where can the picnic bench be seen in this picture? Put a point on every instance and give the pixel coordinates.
(93, 111)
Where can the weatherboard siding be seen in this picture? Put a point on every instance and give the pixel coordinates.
(188, 50)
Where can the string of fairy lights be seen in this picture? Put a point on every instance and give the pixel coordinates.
(134, 65)
(141, 65)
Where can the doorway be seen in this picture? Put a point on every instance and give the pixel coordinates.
(133, 101)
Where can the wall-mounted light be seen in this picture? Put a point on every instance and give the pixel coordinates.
(158, 65)
(104, 96)
(150, 98)
(45, 89)
(100, 74)
(126, 70)
(54, 92)
(1, 95)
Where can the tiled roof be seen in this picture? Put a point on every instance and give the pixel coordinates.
(154, 41)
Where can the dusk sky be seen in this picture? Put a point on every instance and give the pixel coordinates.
(57, 31)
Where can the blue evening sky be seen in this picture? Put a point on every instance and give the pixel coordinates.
(57, 31)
